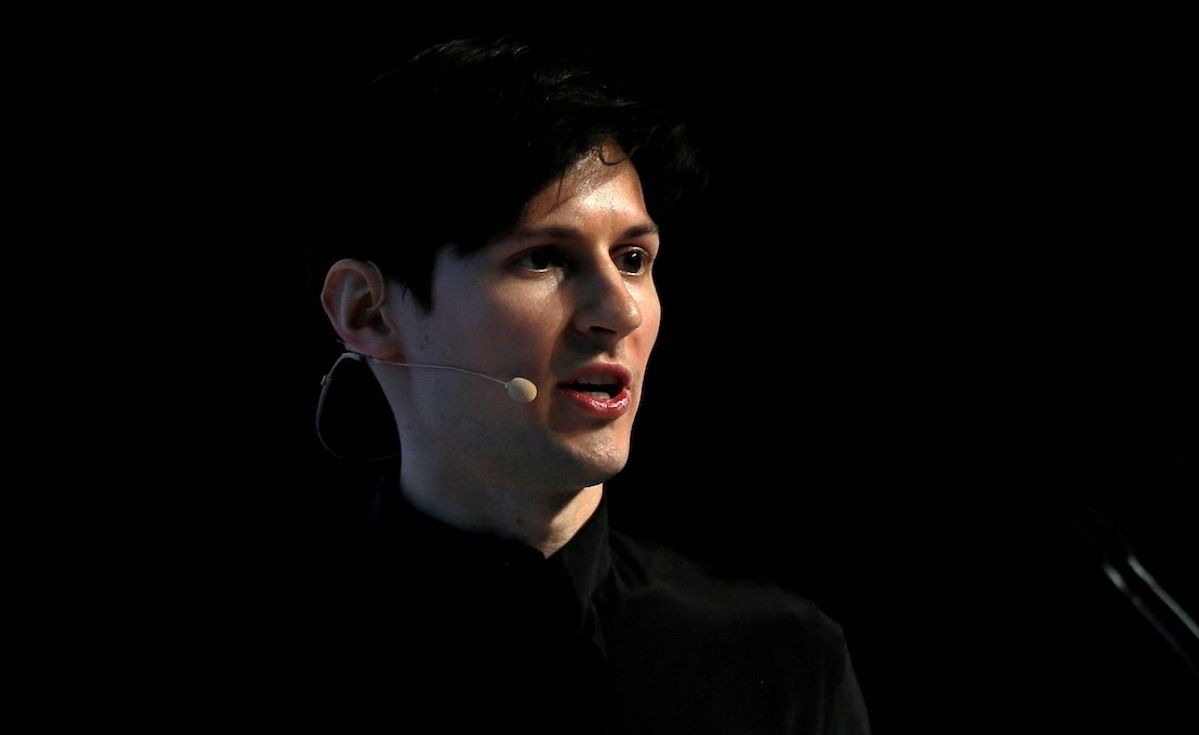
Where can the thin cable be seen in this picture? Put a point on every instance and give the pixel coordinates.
(439, 367)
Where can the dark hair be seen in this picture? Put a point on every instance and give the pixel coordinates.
(449, 148)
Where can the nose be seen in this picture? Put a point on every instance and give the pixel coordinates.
(607, 310)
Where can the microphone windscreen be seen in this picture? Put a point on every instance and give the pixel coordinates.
(522, 390)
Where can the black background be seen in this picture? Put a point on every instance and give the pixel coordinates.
(936, 304)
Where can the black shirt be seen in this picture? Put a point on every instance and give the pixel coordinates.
(433, 628)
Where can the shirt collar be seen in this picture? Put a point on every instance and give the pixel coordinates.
(582, 563)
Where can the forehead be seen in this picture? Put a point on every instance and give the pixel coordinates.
(604, 182)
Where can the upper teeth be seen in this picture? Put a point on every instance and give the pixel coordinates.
(597, 379)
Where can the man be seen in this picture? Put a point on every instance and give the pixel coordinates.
(497, 279)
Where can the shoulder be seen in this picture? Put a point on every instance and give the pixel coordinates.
(747, 653)
(655, 576)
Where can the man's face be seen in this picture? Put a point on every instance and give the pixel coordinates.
(567, 301)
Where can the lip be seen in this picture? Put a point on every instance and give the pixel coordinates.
(609, 408)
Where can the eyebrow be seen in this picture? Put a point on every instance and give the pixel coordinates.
(561, 231)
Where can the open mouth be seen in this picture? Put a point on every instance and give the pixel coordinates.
(601, 389)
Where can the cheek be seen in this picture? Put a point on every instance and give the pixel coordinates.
(518, 323)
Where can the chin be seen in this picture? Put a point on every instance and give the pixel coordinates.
(598, 463)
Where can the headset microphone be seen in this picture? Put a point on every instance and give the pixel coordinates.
(521, 390)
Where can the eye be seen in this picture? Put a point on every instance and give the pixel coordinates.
(634, 261)
(538, 260)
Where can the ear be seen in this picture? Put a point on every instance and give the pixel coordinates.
(353, 297)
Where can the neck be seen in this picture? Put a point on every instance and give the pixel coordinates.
(545, 521)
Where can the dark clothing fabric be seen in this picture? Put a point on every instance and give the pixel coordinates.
(436, 629)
